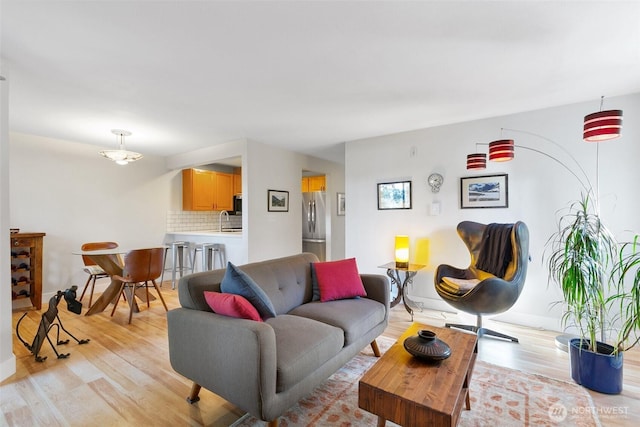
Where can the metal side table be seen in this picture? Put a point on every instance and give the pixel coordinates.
(409, 273)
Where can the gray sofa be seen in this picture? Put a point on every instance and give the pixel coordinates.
(264, 368)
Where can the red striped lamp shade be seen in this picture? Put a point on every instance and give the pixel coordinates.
(602, 126)
(477, 161)
(501, 150)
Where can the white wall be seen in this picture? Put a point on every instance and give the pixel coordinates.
(272, 234)
(275, 234)
(538, 188)
(7, 359)
(66, 190)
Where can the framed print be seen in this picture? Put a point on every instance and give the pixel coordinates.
(340, 204)
(488, 191)
(394, 195)
(277, 201)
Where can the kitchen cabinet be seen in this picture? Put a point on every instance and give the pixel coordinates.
(237, 181)
(205, 190)
(314, 183)
(223, 197)
(197, 190)
(26, 267)
(317, 183)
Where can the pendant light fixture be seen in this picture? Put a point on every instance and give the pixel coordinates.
(501, 150)
(603, 125)
(477, 161)
(121, 156)
(598, 127)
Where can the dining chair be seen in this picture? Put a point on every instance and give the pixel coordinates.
(94, 271)
(141, 266)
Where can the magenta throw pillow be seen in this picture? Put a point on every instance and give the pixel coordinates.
(231, 305)
(338, 280)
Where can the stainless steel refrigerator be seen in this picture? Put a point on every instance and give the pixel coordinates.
(314, 224)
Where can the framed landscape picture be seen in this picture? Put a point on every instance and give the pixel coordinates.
(277, 201)
(394, 195)
(488, 191)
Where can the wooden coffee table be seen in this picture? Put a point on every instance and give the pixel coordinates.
(413, 392)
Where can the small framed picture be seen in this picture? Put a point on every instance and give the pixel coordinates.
(277, 201)
(488, 191)
(394, 195)
(340, 204)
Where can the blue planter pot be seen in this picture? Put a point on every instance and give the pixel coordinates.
(601, 371)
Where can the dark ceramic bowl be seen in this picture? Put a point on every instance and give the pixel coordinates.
(427, 346)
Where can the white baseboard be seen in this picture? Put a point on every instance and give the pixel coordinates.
(513, 317)
(99, 288)
(529, 320)
(434, 304)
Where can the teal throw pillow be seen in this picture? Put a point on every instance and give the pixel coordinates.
(315, 289)
(236, 281)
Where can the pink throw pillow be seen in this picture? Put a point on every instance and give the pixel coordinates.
(231, 305)
(339, 280)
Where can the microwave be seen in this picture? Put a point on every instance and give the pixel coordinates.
(237, 204)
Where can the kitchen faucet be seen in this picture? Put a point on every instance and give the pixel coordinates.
(220, 219)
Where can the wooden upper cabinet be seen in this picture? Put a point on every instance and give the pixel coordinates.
(205, 190)
(317, 183)
(237, 181)
(197, 190)
(314, 183)
(223, 199)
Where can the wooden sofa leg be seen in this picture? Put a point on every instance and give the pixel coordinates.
(193, 396)
(273, 423)
(374, 347)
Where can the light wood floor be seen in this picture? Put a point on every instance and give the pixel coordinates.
(123, 376)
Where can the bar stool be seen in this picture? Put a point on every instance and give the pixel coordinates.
(211, 252)
(200, 247)
(179, 264)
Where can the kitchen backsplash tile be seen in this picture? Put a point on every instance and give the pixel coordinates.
(199, 221)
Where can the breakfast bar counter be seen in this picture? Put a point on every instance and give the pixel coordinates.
(214, 233)
(233, 241)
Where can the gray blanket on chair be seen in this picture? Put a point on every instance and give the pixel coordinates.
(495, 249)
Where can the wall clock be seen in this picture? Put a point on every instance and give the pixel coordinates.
(435, 180)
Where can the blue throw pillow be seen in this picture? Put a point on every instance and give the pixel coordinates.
(315, 289)
(236, 281)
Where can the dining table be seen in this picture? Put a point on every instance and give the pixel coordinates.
(110, 260)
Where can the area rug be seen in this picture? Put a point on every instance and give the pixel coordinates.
(499, 397)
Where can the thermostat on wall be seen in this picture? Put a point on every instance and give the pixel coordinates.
(435, 209)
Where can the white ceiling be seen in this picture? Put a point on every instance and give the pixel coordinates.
(303, 75)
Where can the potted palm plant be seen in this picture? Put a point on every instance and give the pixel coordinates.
(626, 274)
(593, 273)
